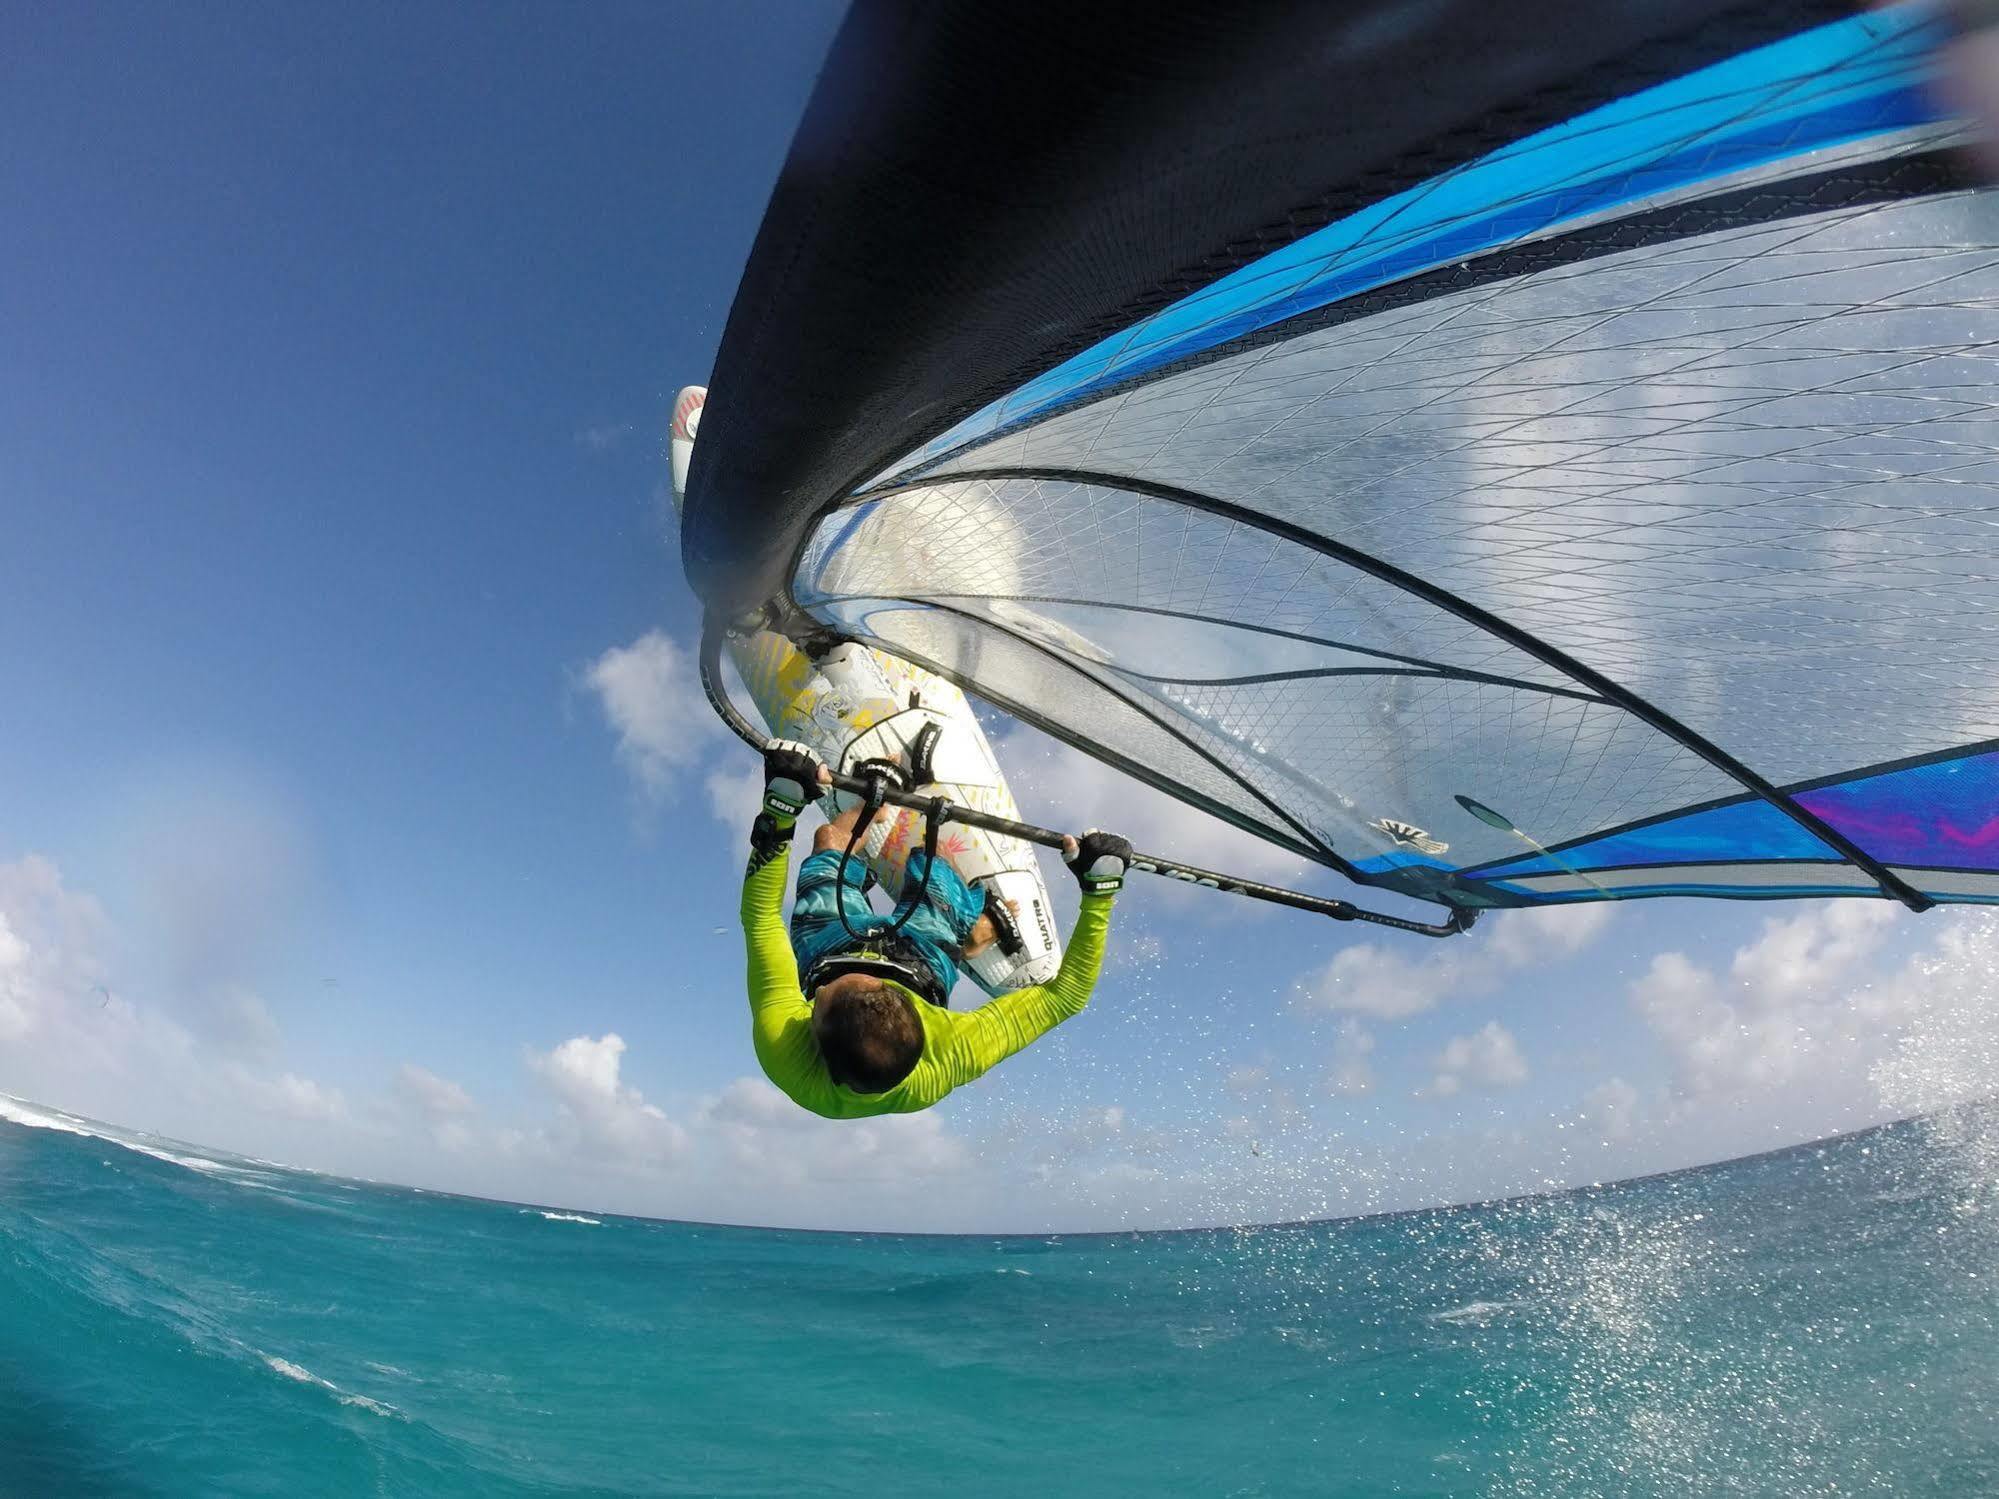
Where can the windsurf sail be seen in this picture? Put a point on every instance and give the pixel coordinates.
(1507, 459)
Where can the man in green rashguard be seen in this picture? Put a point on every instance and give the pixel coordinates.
(874, 1035)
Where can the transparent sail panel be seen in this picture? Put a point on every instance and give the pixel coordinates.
(1752, 476)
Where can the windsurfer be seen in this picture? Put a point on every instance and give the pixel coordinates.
(867, 1029)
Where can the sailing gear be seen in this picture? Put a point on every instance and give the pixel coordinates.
(791, 778)
(1100, 862)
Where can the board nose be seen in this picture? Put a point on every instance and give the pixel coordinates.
(687, 411)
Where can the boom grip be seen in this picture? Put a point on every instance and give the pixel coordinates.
(939, 810)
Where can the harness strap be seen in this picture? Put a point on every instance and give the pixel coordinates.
(921, 770)
(935, 814)
(884, 956)
(1006, 926)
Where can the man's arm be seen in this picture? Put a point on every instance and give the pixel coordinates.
(996, 1030)
(773, 969)
(793, 776)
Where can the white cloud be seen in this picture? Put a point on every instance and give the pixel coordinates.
(58, 1012)
(1544, 934)
(1611, 1110)
(431, 1095)
(771, 1144)
(1948, 1051)
(1485, 1061)
(604, 436)
(443, 1107)
(607, 1116)
(286, 1094)
(736, 790)
(1821, 1025)
(50, 938)
(1386, 982)
(668, 736)
(72, 1036)
(1784, 1011)
(1351, 1076)
(1801, 956)
(15, 1019)
(650, 692)
(1392, 980)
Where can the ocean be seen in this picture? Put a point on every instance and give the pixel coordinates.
(181, 1321)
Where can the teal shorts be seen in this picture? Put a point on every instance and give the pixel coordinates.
(938, 928)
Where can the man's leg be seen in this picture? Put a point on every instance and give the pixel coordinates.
(823, 898)
(943, 923)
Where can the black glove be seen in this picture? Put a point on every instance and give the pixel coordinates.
(1100, 862)
(791, 778)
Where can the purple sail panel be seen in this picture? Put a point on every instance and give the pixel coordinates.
(1944, 814)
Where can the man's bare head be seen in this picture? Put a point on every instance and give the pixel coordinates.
(867, 1032)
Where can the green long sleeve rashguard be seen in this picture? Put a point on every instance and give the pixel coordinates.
(957, 1047)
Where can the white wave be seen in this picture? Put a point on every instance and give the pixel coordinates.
(20, 1111)
(294, 1371)
(291, 1370)
(1475, 1312)
(1201, 1335)
(241, 1171)
(567, 1217)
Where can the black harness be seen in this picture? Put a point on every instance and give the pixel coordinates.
(885, 953)
(884, 956)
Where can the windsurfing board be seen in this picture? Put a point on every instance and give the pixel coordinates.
(856, 703)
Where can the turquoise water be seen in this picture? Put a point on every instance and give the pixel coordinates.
(186, 1322)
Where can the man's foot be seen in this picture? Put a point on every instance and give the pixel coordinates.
(985, 931)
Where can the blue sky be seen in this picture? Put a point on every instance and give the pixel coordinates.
(356, 805)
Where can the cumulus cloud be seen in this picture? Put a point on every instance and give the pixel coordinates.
(1948, 1052)
(442, 1106)
(1394, 980)
(606, 1114)
(1822, 1023)
(286, 1094)
(1351, 1075)
(1611, 1110)
(56, 999)
(736, 790)
(775, 1144)
(650, 693)
(17, 987)
(1785, 1007)
(1485, 1061)
(49, 938)
(431, 1095)
(668, 737)
(72, 1035)
(1804, 956)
